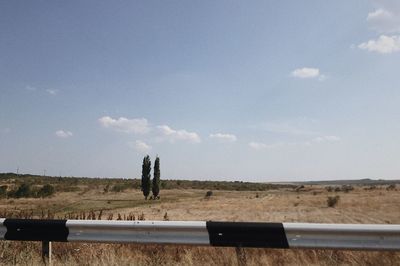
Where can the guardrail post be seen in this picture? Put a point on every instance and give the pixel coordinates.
(46, 252)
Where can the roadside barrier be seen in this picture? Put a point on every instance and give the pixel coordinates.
(219, 234)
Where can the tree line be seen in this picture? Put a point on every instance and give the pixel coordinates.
(147, 184)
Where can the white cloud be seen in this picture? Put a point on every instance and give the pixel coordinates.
(306, 72)
(173, 135)
(224, 137)
(263, 146)
(379, 13)
(122, 124)
(257, 145)
(384, 21)
(384, 44)
(63, 134)
(52, 91)
(140, 146)
(326, 139)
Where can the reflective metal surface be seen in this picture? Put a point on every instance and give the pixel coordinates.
(343, 236)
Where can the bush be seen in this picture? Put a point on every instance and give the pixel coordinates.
(23, 191)
(46, 191)
(391, 187)
(3, 191)
(208, 194)
(119, 188)
(347, 188)
(333, 201)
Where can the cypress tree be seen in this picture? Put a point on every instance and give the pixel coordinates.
(156, 180)
(146, 176)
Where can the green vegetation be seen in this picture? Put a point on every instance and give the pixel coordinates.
(46, 191)
(156, 179)
(25, 190)
(146, 169)
(71, 184)
(3, 191)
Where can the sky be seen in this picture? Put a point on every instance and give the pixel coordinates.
(263, 91)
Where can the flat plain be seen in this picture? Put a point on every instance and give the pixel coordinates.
(364, 204)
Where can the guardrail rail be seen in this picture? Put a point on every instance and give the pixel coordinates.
(223, 234)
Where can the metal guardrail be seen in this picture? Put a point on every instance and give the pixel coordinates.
(235, 234)
(228, 234)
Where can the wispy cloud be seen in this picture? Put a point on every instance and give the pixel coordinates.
(308, 73)
(223, 137)
(52, 91)
(122, 124)
(262, 146)
(142, 126)
(172, 135)
(318, 140)
(383, 20)
(383, 45)
(140, 146)
(326, 139)
(295, 127)
(63, 133)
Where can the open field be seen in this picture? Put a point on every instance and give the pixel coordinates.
(376, 205)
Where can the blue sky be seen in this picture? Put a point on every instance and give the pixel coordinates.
(227, 90)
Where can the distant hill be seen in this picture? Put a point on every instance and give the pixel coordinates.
(365, 181)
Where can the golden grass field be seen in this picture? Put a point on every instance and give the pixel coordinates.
(282, 205)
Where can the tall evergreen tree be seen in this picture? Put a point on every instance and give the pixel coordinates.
(146, 176)
(156, 180)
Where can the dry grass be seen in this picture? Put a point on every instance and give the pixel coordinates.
(358, 206)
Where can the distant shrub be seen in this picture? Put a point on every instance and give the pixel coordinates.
(373, 187)
(106, 188)
(332, 201)
(347, 188)
(391, 187)
(119, 188)
(208, 194)
(3, 191)
(329, 188)
(23, 191)
(46, 191)
(66, 188)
